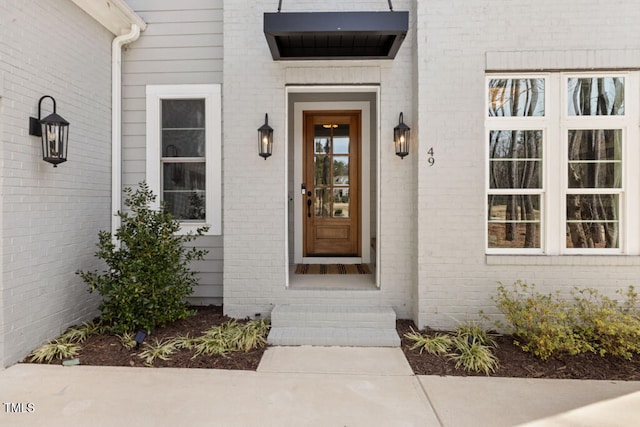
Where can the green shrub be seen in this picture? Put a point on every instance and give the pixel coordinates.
(540, 323)
(548, 325)
(148, 277)
(608, 326)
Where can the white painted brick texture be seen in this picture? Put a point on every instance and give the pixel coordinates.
(255, 193)
(50, 217)
(456, 41)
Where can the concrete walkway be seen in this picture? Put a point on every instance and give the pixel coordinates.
(305, 386)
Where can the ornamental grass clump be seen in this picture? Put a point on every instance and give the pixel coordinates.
(473, 356)
(438, 344)
(469, 346)
(148, 276)
(67, 345)
(55, 349)
(216, 341)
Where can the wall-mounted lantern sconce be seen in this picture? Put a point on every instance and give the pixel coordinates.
(402, 138)
(265, 139)
(54, 133)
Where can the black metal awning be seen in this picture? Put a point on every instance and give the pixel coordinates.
(335, 35)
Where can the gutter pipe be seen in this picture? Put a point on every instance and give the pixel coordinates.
(116, 124)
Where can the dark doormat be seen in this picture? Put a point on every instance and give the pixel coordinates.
(332, 269)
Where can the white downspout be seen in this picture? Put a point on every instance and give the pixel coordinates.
(116, 123)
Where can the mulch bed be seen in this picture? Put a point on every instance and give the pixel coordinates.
(106, 350)
(513, 362)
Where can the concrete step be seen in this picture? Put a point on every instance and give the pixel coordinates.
(322, 325)
(342, 337)
(323, 316)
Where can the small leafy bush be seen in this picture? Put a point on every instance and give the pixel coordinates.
(608, 326)
(148, 277)
(549, 325)
(540, 323)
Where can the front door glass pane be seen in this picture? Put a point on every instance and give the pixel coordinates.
(341, 139)
(341, 170)
(331, 170)
(341, 202)
(322, 170)
(323, 203)
(322, 140)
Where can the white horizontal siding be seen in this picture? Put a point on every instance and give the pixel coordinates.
(174, 66)
(179, 53)
(199, 15)
(142, 6)
(181, 45)
(178, 40)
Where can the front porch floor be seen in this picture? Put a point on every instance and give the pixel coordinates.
(332, 282)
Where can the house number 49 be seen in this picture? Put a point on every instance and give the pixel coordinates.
(431, 159)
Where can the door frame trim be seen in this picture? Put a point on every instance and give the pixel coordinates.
(365, 177)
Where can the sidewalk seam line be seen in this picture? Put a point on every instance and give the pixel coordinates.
(433, 407)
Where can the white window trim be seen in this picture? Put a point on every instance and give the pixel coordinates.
(519, 123)
(555, 124)
(211, 94)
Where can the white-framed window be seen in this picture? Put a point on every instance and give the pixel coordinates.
(184, 166)
(562, 155)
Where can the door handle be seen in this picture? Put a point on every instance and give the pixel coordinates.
(309, 208)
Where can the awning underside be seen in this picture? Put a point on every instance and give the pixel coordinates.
(335, 35)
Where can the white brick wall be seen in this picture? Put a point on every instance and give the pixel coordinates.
(457, 41)
(50, 217)
(255, 233)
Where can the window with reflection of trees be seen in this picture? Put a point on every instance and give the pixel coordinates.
(515, 164)
(527, 132)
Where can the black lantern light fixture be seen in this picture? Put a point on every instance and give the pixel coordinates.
(54, 133)
(402, 138)
(265, 139)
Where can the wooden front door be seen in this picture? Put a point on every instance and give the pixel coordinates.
(331, 176)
